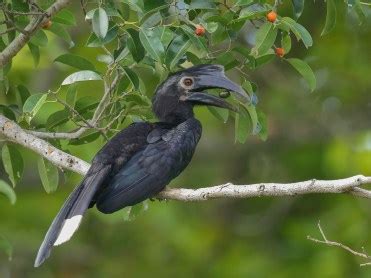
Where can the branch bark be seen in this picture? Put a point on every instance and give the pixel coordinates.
(36, 22)
(351, 185)
(16, 134)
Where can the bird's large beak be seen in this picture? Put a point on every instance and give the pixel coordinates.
(211, 78)
(204, 98)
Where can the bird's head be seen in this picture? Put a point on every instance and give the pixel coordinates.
(175, 98)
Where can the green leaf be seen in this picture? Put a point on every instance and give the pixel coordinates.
(94, 41)
(135, 46)
(6, 247)
(219, 113)
(196, 41)
(264, 59)
(100, 23)
(120, 53)
(23, 95)
(251, 12)
(110, 12)
(286, 42)
(48, 174)
(71, 95)
(64, 17)
(61, 32)
(253, 116)
(299, 31)
(202, 4)
(304, 69)
(134, 5)
(85, 103)
(33, 105)
(35, 52)
(85, 139)
(57, 118)
(227, 60)
(165, 34)
(152, 44)
(262, 118)
(7, 66)
(39, 38)
(243, 2)
(249, 87)
(13, 163)
(20, 6)
(265, 37)
(298, 7)
(7, 112)
(75, 61)
(193, 58)
(242, 126)
(330, 17)
(104, 58)
(133, 77)
(359, 11)
(8, 191)
(176, 50)
(84, 75)
(153, 5)
(151, 21)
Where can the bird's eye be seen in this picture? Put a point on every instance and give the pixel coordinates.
(188, 82)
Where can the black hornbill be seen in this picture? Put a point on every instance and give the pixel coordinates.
(142, 159)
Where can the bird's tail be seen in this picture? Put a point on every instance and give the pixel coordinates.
(69, 217)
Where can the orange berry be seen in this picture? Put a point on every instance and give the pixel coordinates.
(200, 30)
(47, 24)
(280, 52)
(272, 16)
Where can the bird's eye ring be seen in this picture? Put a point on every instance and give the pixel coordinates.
(188, 82)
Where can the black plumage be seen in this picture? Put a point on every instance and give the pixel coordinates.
(142, 159)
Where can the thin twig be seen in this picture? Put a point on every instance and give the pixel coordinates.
(8, 30)
(89, 124)
(325, 241)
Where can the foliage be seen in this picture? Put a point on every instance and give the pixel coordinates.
(159, 36)
(134, 39)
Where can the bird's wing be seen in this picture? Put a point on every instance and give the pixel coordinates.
(147, 172)
(106, 163)
(150, 169)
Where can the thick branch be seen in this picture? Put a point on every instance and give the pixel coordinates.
(230, 190)
(16, 134)
(351, 185)
(17, 44)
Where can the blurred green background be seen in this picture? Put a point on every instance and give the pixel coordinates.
(323, 135)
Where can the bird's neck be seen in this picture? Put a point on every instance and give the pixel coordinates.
(172, 111)
(176, 118)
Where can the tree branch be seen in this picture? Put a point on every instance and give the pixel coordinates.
(229, 190)
(36, 22)
(362, 254)
(15, 133)
(108, 88)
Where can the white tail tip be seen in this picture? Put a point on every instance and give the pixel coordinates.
(68, 229)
